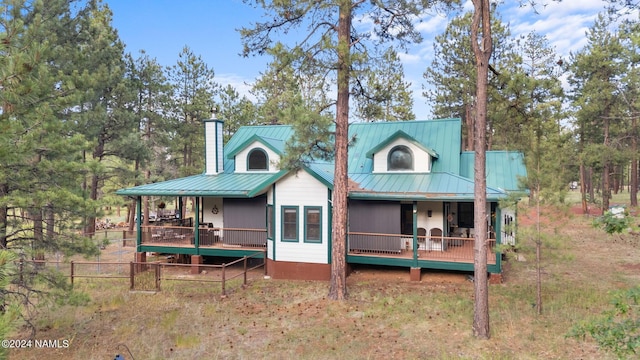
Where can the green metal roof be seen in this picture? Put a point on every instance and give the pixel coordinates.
(433, 186)
(276, 145)
(225, 185)
(274, 136)
(503, 168)
(404, 135)
(451, 177)
(442, 136)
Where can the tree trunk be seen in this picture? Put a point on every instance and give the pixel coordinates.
(38, 233)
(606, 171)
(4, 214)
(338, 283)
(583, 189)
(633, 183)
(50, 223)
(482, 44)
(131, 214)
(469, 116)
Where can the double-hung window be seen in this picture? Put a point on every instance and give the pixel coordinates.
(290, 223)
(313, 224)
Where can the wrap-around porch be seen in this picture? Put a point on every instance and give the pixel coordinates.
(428, 250)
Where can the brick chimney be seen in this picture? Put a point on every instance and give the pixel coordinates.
(213, 145)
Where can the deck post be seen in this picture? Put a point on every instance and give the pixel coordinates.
(495, 278)
(196, 261)
(414, 274)
(141, 258)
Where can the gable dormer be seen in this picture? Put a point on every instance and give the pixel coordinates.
(400, 153)
(257, 154)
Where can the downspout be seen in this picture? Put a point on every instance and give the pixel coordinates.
(274, 213)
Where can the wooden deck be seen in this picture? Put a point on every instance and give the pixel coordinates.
(384, 249)
(462, 253)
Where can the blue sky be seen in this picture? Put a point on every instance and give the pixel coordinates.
(163, 27)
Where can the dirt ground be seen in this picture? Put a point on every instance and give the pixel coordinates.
(381, 320)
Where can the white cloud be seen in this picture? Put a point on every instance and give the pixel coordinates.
(241, 84)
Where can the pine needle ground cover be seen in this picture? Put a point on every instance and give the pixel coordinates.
(386, 315)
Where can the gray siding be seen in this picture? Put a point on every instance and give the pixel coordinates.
(374, 216)
(245, 213)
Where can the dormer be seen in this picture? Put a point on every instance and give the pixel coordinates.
(257, 154)
(401, 153)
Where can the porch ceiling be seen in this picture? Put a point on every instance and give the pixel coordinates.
(225, 185)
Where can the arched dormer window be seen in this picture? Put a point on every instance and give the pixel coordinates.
(400, 158)
(257, 160)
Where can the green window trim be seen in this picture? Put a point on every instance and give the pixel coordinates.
(290, 224)
(257, 160)
(270, 220)
(313, 224)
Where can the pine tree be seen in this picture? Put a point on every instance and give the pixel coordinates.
(595, 70)
(192, 99)
(385, 94)
(148, 80)
(481, 43)
(334, 48)
(235, 110)
(103, 114)
(452, 75)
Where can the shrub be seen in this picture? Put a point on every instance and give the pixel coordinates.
(614, 221)
(618, 329)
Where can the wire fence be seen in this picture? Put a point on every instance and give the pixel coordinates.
(147, 276)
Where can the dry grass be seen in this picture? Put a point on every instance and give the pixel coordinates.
(386, 316)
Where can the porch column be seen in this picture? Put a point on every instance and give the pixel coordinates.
(138, 223)
(415, 238)
(196, 261)
(196, 231)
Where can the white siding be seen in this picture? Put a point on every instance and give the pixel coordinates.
(214, 156)
(421, 159)
(208, 216)
(437, 217)
(241, 158)
(301, 189)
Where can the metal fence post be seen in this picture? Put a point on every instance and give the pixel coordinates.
(131, 274)
(224, 292)
(157, 277)
(72, 272)
(244, 284)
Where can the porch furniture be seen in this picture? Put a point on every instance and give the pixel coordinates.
(422, 238)
(436, 242)
(209, 235)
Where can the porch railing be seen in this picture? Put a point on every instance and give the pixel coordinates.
(445, 248)
(184, 236)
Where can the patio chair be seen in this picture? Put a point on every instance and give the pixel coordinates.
(422, 238)
(436, 241)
